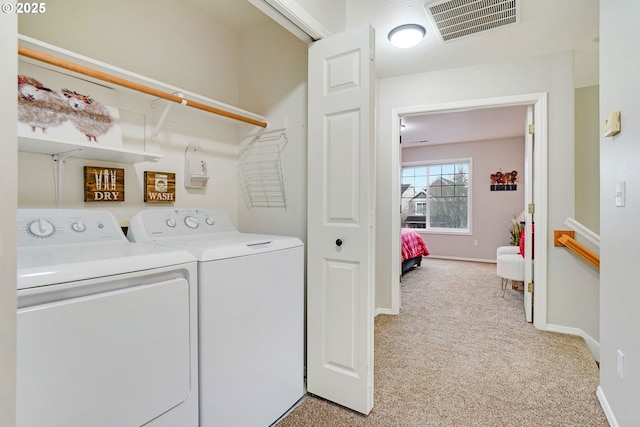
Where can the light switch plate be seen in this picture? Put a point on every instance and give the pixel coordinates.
(620, 194)
(620, 364)
(612, 124)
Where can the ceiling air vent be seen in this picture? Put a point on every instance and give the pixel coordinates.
(454, 19)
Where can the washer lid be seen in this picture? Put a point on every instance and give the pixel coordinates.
(53, 264)
(230, 245)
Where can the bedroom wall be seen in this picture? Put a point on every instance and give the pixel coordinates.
(175, 43)
(492, 210)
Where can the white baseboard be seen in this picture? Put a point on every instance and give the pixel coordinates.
(455, 258)
(606, 408)
(594, 346)
(383, 311)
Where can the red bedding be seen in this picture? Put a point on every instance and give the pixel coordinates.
(413, 244)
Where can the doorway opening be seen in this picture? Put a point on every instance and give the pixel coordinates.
(535, 164)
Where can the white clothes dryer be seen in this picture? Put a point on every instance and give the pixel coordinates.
(251, 313)
(106, 329)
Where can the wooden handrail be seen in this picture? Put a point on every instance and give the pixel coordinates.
(565, 238)
(62, 63)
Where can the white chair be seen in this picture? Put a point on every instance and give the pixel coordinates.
(510, 265)
(502, 250)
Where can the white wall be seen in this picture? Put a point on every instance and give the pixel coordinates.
(587, 158)
(165, 40)
(8, 129)
(175, 43)
(552, 74)
(278, 89)
(619, 226)
(492, 210)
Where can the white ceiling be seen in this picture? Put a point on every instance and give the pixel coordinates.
(544, 27)
(471, 125)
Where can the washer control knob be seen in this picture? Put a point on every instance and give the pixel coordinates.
(209, 220)
(78, 226)
(191, 222)
(41, 228)
(171, 222)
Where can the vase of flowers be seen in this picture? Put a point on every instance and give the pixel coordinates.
(517, 225)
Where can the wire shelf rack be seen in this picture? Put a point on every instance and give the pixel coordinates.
(261, 171)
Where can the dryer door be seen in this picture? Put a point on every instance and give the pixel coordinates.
(117, 358)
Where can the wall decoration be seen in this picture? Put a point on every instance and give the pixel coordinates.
(504, 181)
(159, 187)
(103, 184)
(58, 107)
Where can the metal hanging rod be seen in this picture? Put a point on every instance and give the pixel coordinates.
(58, 62)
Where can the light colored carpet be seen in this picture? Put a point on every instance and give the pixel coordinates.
(460, 355)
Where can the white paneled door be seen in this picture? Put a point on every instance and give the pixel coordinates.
(340, 240)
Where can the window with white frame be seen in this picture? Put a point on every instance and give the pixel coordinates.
(437, 194)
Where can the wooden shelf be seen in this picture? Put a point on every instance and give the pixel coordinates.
(109, 153)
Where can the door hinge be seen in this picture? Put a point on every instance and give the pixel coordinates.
(531, 208)
(532, 129)
(530, 287)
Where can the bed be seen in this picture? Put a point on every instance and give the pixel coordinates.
(413, 249)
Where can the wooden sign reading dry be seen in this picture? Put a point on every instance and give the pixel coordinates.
(103, 184)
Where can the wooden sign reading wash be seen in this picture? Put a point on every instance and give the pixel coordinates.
(160, 187)
(103, 184)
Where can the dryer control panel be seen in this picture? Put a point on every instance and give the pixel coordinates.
(37, 227)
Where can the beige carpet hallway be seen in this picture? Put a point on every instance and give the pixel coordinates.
(460, 355)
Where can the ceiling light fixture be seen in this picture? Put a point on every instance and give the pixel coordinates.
(407, 35)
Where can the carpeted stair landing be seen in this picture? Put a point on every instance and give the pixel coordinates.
(460, 355)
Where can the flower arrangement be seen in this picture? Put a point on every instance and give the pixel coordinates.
(517, 225)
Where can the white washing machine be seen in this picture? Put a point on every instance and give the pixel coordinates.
(251, 313)
(107, 329)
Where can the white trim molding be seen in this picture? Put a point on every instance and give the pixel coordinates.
(383, 311)
(594, 346)
(606, 408)
(583, 230)
(294, 18)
